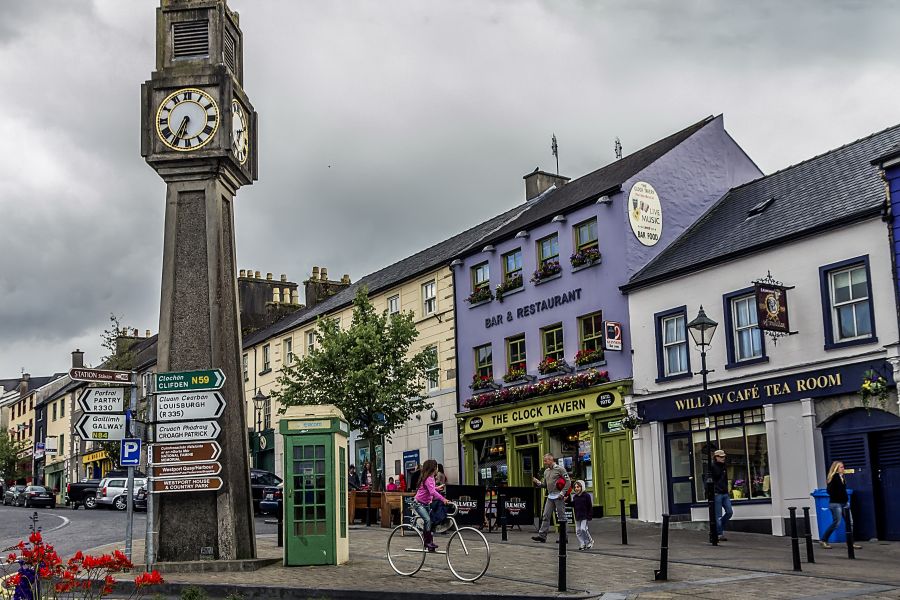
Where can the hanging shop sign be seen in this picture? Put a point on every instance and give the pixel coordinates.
(612, 338)
(844, 379)
(645, 213)
(772, 308)
(547, 410)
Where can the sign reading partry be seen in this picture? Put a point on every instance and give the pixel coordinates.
(101, 427)
(184, 453)
(188, 406)
(187, 381)
(100, 375)
(187, 432)
(194, 484)
(102, 400)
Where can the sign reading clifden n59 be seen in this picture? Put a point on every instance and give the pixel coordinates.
(187, 381)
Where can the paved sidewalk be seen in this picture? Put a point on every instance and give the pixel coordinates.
(746, 565)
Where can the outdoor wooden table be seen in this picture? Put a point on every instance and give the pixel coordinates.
(390, 502)
(359, 501)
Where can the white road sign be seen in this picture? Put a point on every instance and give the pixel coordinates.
(187, 406)
(102, 400)
(101, 427)
(187, 432)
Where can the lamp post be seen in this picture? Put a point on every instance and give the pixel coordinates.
(702, 330)
(259, 403)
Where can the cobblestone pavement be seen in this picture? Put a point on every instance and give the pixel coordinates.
(746, 565)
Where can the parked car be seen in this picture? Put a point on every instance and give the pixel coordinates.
(140, 499)
(273, 500)
(36, 495)
(260, 481)
(112, 489)
(83, 493)
(12, 493)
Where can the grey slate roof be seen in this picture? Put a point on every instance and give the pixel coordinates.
(827, 191)
(588, 188)
(429, 259)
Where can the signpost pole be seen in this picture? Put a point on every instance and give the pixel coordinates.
(149, 550)
(129, 489)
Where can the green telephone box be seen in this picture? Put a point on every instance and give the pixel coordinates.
(316, 529)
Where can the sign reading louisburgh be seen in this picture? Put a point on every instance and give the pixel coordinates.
(195, 484)
(101, 427)
(187, 432)
(102, 400)
(184, 453)
(771, 308)
(188, 470)
(100, 375)
(187, 381)
(189, 406)
(645, 213)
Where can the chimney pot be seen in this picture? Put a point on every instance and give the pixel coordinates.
(345, 278)
(147, 333)
(295, 297)
(242, 273)
(77, 359)
(257, 274)
(276, 295)
(323, 274)
(315, 273)
(283, 277)
(268, 277)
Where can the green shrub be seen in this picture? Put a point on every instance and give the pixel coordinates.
(194, 593)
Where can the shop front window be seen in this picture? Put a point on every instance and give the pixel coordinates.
(743, 438)
(573, 449)
(490, 461)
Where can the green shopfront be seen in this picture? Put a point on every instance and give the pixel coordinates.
(504, 445)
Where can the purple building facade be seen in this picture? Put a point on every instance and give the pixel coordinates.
(549, 360)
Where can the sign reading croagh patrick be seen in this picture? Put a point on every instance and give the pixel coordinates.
(187, 432)
(186, 381)
(189, 406)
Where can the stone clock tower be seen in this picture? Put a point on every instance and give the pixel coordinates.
(198, 131)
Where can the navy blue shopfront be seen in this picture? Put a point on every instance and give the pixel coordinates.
(866, 441)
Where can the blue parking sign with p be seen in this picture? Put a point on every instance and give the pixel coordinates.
(130, 455)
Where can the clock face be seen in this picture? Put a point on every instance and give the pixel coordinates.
(187, 119)
(240, 136)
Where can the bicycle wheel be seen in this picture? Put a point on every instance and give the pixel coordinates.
(468, 554)
(406, 555)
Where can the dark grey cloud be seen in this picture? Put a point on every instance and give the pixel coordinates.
(385, 127)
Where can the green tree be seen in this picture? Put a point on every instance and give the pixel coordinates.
(10, 451)
(366, 370)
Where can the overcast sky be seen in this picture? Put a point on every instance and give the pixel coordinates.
(386, 127)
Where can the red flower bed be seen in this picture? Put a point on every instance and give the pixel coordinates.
(555, 385)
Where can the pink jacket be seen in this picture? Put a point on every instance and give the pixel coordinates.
(427, 492)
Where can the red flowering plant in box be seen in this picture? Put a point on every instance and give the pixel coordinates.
(582, 380)
(550, 365)
(482, 294)
(515, 373)
(588, 356)
(41, 575)
(480, 382)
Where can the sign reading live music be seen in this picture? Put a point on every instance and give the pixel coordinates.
(772, 308)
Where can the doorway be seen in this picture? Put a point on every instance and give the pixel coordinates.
(615, 471)
(436, 442)
(531, 466)
(679, 458)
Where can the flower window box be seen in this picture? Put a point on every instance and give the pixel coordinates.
(482, 295)
(549, 270)
(511, 285)
(586, 257)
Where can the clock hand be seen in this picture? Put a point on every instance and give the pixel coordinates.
(182, 127)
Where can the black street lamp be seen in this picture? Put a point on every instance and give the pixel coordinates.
(259, 404)
(702, 330)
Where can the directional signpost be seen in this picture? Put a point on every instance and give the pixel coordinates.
(187, 432)
(196, 484)
(105, 427)
(102, 400)
(188, 406)
(184, 453)
(189, 470)
(102, 375)
(187, 381)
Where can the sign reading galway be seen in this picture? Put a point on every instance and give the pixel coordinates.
(771, 308)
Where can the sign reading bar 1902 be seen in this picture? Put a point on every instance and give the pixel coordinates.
(185, 381)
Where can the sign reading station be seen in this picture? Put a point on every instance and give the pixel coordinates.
(100, 375)
(645, 213)
(186, 381)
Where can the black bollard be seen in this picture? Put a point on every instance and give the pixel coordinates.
(501, 507)
(807, 533)
(622, 521)
(795, 542)
(369, 507)
(662, 573)
(848, 526)
(280, 536)
(562, 557)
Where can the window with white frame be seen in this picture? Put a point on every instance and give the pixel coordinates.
(747, 337)
(246, 367)
(674, 343)
(432, 375)
(310, 341)
(267, 364)
(288, 350)
(429, 298)
(850, 303)
(393, 304)
(267, 413)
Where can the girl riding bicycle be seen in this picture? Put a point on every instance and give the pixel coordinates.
(426, 493)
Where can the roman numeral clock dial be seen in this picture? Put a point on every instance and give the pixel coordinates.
(187, 119)
(240, 136)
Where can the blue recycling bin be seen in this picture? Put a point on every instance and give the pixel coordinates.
(823, 516)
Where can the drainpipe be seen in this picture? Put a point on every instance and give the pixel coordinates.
(460, 455)
(893, 350)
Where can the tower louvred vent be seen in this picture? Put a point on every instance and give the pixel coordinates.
(190, 39)
(229, 52)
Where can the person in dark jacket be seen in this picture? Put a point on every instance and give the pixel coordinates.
(583, 507)
(720, 490)
(353, 479)
(838, 499)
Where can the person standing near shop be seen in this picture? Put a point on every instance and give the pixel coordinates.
(353, 479)
(838, 499)
(556, 481)
(583, 509)
(720, 491)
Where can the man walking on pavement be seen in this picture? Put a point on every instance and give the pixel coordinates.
(557, 482)
(720, 489)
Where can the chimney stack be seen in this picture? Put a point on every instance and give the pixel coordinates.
(242, 273)
(147, 333)
(537, 182)
(268, 277)
(345, 279)
(324, 274)
(315, 273)
(284, 278)
(77, 359)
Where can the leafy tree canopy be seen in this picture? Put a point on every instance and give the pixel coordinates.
(10, 452)
(365, 370)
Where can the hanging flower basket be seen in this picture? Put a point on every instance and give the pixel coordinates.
(546, 271)
(511, 283)
(482, 294)
(631, 421)
(586, 256)
(874, 389)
